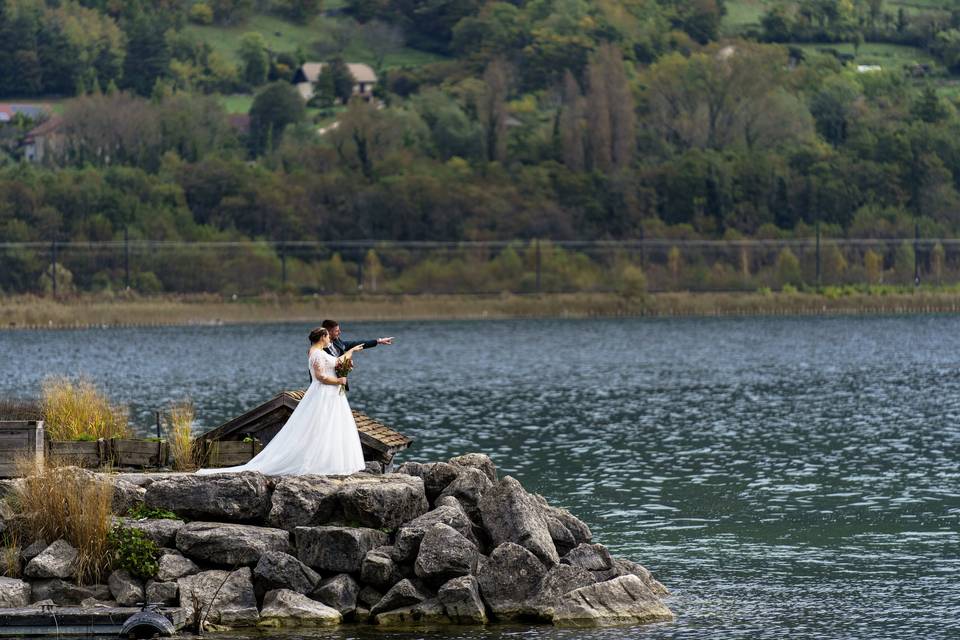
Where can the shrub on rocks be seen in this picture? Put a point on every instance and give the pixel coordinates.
(162, 531)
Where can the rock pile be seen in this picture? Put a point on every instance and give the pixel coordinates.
(443, 542)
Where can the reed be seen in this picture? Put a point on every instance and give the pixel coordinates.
(57, 501)
(79, 411)
(180, 437)
(10, 565)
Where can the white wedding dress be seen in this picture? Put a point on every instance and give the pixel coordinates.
(320, 436)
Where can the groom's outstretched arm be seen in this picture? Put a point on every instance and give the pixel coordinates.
(367, 344)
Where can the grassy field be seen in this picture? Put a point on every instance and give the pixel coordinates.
(28, 312)
(744, 14)
(282, 35)
(892, 56)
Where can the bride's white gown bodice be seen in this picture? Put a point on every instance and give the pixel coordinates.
(320, 437)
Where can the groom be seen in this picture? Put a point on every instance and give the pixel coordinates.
(338, 347)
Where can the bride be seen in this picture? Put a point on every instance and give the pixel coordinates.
(320, 437)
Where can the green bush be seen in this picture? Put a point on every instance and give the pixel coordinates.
(134, 552)
(141, 511)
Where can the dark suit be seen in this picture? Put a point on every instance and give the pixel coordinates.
(338, 347)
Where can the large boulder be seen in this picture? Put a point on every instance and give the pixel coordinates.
(165, 592)
(445, 554)
(479, 461)
(382, 502)
(303, 501)
(229, 497)
(279, 570)
(508, 579)
(223, 598)
(511, 515)
(624, 567)
(592, 557)
(125, 589)
(337, 549)
(173, 565)
(403, 594)
(286, 608)
(560, 579)
(624, 600)
(32, 550)
(59, 560)
(379, 570)
(468, 488)
(575, 526)
(435, 475)
(14, 593)
(66, 593)
(461, 601)
(126, 495)
(430, 611)
(340, 592)
(410, 535)
(229, 544)
(163, 531)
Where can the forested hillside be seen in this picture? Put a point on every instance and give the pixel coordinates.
(555, 119)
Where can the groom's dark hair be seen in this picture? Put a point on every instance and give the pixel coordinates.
(329, 324)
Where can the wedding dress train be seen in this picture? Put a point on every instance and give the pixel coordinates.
(320, 437)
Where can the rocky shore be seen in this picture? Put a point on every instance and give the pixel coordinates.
(439, 543)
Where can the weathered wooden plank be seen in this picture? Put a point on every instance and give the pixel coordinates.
(137, 453)
(18, 441)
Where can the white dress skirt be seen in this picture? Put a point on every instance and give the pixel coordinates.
(320, 437)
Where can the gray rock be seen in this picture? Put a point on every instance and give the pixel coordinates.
(402, 594)
(480, 461)
(379, 570)
(163, 531)
(66, 593)
(508, 579)
(574, 526)
(340, 592)
(303, 501)
(91, 603)
(448, 501)
(230, 497)
(382, 502)
(445, 554)
(32, 550)
(173, 565)
(126, 589)
(59, 560)
(430, 611)
(410, 535)
(461, 601)
(165, 592)
(11, 486)
(225, 597)
(624, 600)
(592, 557)
(373, 467)
(229, 544)
(368, 597)
(511, 515)
(624, 567)
(126, 495)
(14, 593)
(559, 580)
(279, 570)
(468, 488)
(336, 549)
(563, 539)
(435, 475)
(285, 608)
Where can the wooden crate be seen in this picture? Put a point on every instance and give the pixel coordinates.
(127, 452)
(226, 453)
(19, 440)
(82, 453)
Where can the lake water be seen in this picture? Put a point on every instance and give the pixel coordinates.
(784, 477)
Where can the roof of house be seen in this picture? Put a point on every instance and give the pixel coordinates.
(32, 111)
(362, 73)
(378, 440)
(46, 128)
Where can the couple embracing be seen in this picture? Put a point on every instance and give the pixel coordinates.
(320, 437)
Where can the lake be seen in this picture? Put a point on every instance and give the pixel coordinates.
(782, 476)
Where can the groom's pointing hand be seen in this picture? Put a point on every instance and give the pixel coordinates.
(385, 340)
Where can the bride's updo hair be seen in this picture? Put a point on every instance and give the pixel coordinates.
(318, 334)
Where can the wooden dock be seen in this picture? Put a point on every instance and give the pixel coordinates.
(74, 621)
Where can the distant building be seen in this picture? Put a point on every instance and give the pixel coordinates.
(43, 140)
(363, 76)
(32, 111)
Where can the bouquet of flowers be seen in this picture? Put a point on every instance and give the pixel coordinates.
(343, 369)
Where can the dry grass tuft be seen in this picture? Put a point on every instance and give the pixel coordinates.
(10, 565)
(180, 437)
(17, 409)
(57, 501)
(79, 411)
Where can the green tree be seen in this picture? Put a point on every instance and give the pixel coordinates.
(255, 59)
(274, 108)
(148, 55)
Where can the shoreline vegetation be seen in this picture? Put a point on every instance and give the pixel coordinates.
(91, 311)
